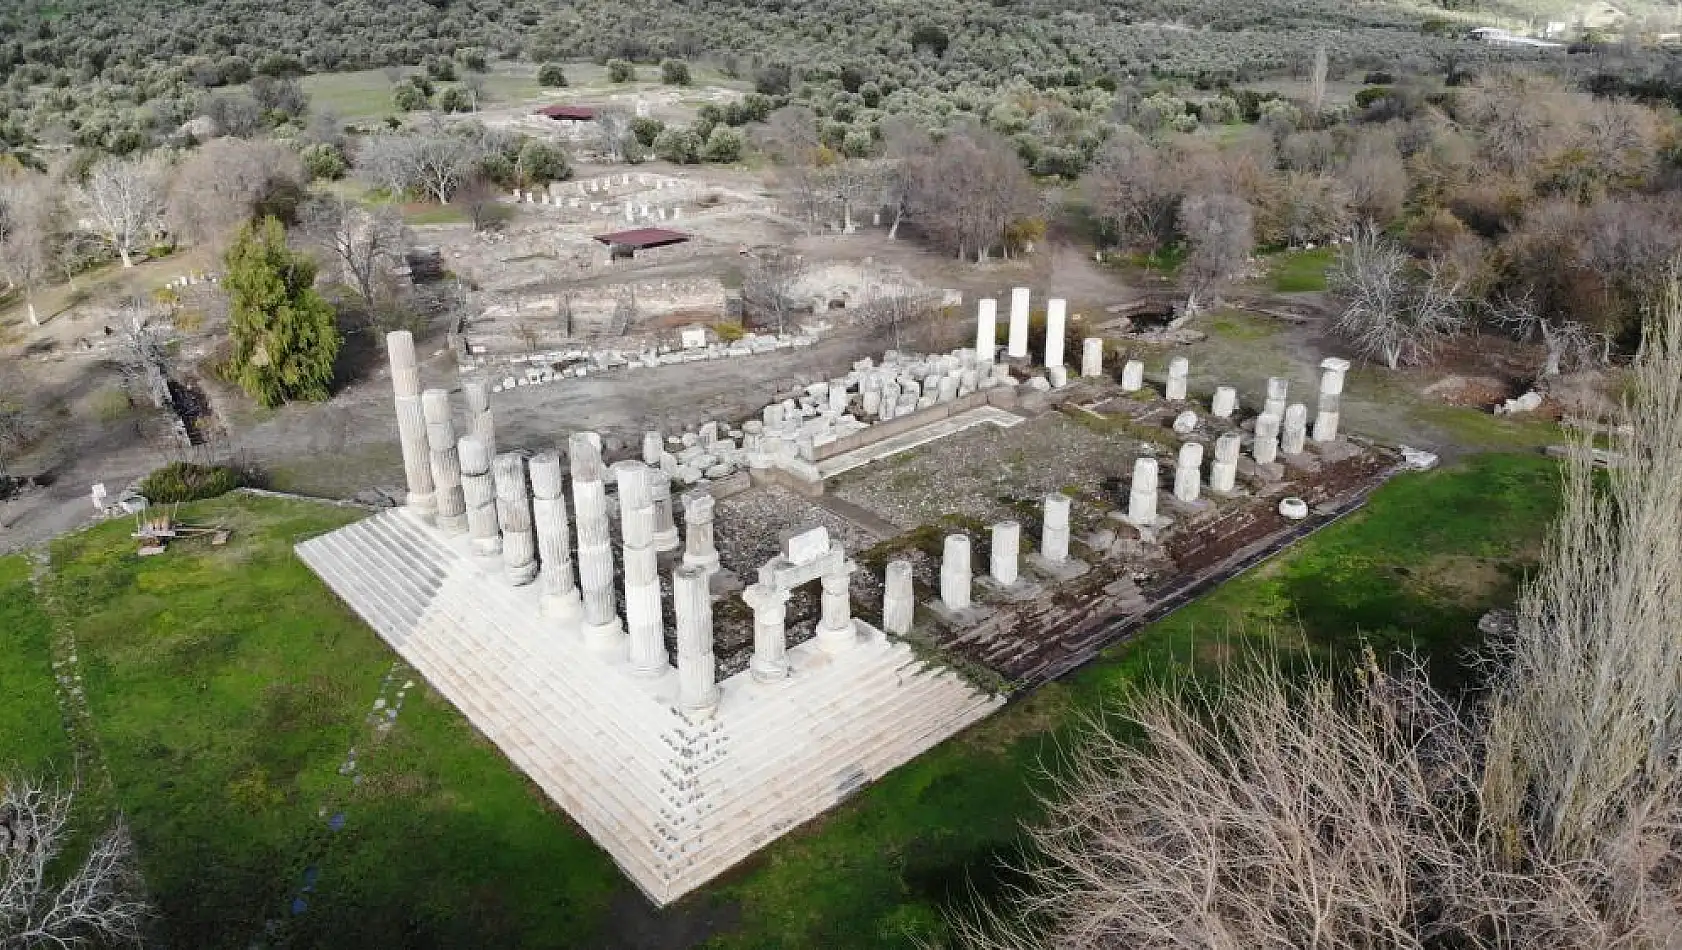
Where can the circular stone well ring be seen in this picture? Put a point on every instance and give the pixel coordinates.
(1293, 508)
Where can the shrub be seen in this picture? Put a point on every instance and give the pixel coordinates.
(723, 146)
(186, 481)
(323, 162)
(455, 99)
(619, 70)
(647, 130)
(551, 74)
(674, 72)
(409, 98)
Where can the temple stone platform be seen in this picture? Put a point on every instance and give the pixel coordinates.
(676, 799)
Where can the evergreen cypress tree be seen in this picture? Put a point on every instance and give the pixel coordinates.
(284, 334)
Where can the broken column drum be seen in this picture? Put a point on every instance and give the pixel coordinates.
(603, 631)
(1141, 496)
(554, 544)
(411, 423)
(1002, 563)
(1132, 376)
(1092, 357)
(1188, 474)
(478, 490)
(1266, 447)
(446, 464)
(697, 670)
(1178, 369)
(1295, 430)
(955, 575)
(643, 621)
(653, 447)
(513, 510)
(1019, 299)
(1223, 473)
(1054, 538)
(986, 329)
(836, 631)
(1331, 395)
(665, 524)
(1278, 393)
(898, 598)
(1224, 403)
(1056, 314)
(699, 550)
(480, 423)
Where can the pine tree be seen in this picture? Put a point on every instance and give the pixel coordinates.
(284, 334)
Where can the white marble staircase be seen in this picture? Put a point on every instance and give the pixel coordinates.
(675, 802)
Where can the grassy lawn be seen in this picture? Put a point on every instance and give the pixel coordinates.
(35, 744)
(227, 686)
(1300, 271)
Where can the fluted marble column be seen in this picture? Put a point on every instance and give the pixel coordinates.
(480, 423)
(986, 329)
(653, 447)
(836, 631)
(603, 631)
(1188, 474)
(898, 599)
(1266, 447)
(699, 550)
(643, 620)
(554, 545)
(692, 607)
(1278, 395)
(513, 510)
(955, 574)
(411, 423)
(770, 637)
(1331, 398)
(1019, 301)
(446, 464)
(478, 491)
(1002, 563)
(1054, 539)
(1141, 496)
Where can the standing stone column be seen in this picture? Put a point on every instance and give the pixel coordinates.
(1132, 376)
(1278, 393)
(1179, 368)
(1056, 314)
(898, 599)
(770, 639)
(1224, 472)
(554, 545)
(513, 510)
(1331, 395)
(411, 423)
(955, 573)
(1224, 403)
(1054, 538)
(1266, 447)
(478, 490)
(986, 329)
(692, 606)
(1018, 347)
(446, 465)
(653, 447)
(480, 423)
(643, 620)
(603, 632)
(1092, 356)
(1296, 429)
(699, 550)
(836, 632)
(665, 525)
(1141, 496)
(1188, 474)
(1007, 549)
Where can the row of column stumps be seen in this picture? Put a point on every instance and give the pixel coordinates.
(1016, 347)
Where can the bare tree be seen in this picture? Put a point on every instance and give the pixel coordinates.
(1565, 342)
(482, 202)
(124, 198)
(20, 425)
(1317, 83)
(1218, 237)
(971, 192)
(432, 161)
(95, 903)
(1397, 311)
(768, 284)
(219, 185)
(906, 148)
(613, 134)
(626, 311)
(896, 306)
(790, 137)
(528, 333)
(852, 183)
(32, 223)
(1135, 190)
(1376, 177)
(364, 242)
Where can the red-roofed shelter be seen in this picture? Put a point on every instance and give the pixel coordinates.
(642, 239)
(568, 113)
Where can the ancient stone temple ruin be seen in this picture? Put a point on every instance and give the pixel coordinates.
(675, 774)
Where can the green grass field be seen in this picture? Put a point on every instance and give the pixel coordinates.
(227, 686)
(1300, 271)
